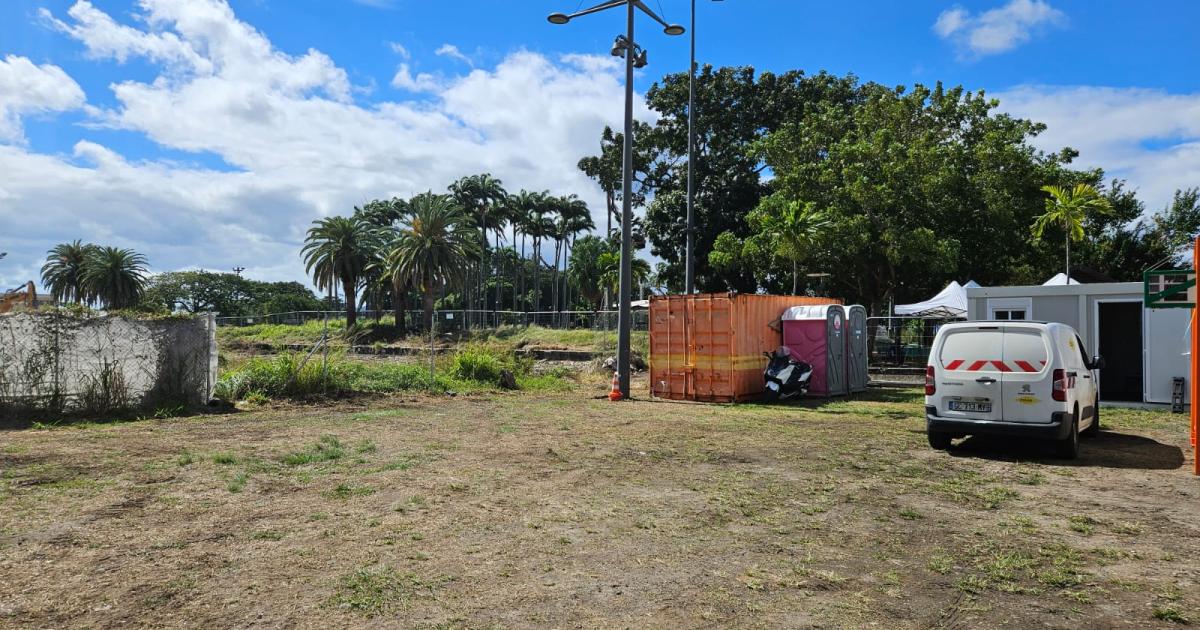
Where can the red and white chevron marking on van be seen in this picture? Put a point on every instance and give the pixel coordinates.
(999, 366)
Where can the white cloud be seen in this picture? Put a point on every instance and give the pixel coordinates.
(26, 88)
(400, 50)
(1150, 137)
(422, 82)
(300, 146)
(452, 51)
(996, 30)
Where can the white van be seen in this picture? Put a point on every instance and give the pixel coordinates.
(1011, 378)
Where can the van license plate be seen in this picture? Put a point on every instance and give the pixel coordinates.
(971, 407)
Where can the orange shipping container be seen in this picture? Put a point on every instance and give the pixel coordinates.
(709, 347)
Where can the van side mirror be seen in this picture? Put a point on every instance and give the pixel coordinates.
(1098, 363)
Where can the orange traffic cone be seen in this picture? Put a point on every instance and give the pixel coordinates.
(615, 394)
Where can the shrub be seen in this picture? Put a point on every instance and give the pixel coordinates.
(484, 364)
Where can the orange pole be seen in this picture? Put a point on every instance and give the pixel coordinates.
(1194, 377)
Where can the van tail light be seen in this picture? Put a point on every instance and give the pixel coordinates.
(1059, 392)
(930, 385)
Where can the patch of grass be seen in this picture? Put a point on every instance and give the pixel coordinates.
(326, 449)
(185, 458)
(1083, 524)
(267, 534)
(225, 459)
(1172, 614)
(238, 482)
(364, 447)
(345, 491)
(380, 589)
(940, 563)
(910, 514)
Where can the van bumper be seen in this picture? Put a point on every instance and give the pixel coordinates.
(1056, 429)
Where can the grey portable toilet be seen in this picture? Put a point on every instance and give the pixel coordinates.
(856, 348)
(817, 336)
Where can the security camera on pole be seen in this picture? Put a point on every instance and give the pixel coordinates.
(635, 57)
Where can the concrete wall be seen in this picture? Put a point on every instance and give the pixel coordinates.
(56, 360)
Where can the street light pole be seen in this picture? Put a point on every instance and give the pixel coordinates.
(689, 271)
(625, 312)
(635, 57)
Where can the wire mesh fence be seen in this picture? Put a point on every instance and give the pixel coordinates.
(63, 361)
(901, 341)
(459, 319)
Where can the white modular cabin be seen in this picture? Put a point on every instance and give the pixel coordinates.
(1145, 349)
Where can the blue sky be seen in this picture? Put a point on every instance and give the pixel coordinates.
(209, 134)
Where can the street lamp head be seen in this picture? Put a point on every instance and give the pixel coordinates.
(559, 18)
(674, 29)
(619, 46)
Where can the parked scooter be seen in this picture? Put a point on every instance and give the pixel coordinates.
(785, 376)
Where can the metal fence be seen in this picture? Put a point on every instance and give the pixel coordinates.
(901, 341)
(456, 320)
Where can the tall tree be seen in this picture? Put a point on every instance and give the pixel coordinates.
(1068, 209)
(436, 241)
(339, 249)
(115, 277)
(585, 268)
(483, 196)
(64, 270)
(522, 210)
(790, 229)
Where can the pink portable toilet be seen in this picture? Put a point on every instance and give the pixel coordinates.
(817, 336)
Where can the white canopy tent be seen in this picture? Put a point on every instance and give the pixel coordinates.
(949, 302)
(1059, 280)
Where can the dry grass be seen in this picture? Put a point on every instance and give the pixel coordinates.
(566, 511)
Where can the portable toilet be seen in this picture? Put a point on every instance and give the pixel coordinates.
(856, 348)
(817, 336)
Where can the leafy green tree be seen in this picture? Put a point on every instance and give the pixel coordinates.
(610, 272)
(338, 249)
(790, 229)
(1068, 209)
(920, 185)
(1177, 226)
(64, 271)
(436, 241)
(115, 277)
(585, 269)
(607, 168)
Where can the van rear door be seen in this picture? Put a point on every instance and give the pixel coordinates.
(969, 381)
(1027, 379)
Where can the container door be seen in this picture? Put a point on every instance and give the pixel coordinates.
(968, 381)
(856, 344)
(835, 369)
(710, 349)
(670, 374)
(1027, 377)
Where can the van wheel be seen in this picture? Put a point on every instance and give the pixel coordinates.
(939, 441)
(1094, 428)
(1068, 447)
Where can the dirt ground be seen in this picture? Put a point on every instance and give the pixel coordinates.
(570, 512)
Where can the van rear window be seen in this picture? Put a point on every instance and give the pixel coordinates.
(1024, 350)
(973, 351)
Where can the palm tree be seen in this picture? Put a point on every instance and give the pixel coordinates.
(540, 225)
(610, 271)
(792, 228)
(115, 277)
(64, 270)
(525, 206)
(339, 249)
(1068, 209)
(574, 217)
(482, 196)
(436, 241)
